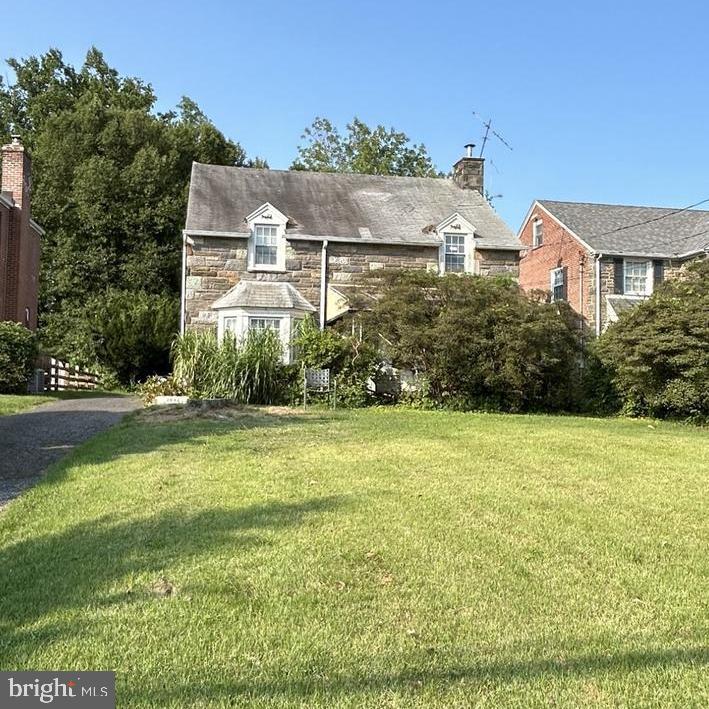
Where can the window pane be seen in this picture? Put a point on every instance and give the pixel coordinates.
(265, 243)
(537, 233)
(265, 324)
(455, 263)
(635, 276)
(230, 324)
(454, 253)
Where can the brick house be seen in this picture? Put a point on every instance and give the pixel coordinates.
(19, 238)
(605, 258)
(262, 248)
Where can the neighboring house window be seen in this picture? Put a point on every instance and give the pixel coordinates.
(558, 284)
(265, 324)
(454, 253)
(537, 233)
(635, 277)
(265, 245)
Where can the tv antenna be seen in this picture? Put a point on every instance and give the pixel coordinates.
(487, 125)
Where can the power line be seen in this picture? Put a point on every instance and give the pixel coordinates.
(653, 219)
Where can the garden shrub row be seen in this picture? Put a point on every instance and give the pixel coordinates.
(467, 342)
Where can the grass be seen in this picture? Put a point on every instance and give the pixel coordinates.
(374, 558)
(14, 403)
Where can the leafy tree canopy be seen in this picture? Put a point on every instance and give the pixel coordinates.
(372, 151)
(110, 179)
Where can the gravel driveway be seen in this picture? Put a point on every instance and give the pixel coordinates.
(32, 440)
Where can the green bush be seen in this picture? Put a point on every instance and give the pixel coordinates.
(249, 371)
(479, 342)
(354, 362)
(18, 351)
(658, 352)
(124, 333)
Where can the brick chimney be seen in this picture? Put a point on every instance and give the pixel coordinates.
(17, 173)
(468, 172)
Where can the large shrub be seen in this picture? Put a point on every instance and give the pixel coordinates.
(658, 352)
(18, 350)
(249, 371)
(479, 342)
(124, 333)
(353, 361)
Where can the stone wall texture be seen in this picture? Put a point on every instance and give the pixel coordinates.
(216, 264)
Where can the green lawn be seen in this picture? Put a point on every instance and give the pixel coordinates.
(14, 403)
(376, 558)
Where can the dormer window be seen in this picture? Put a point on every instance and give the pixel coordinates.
(454, 253)
(265, 245)
(267, 242)
(537, 233)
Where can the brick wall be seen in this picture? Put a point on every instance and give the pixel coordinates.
(214, 265)
(561, 249)
(19, 242)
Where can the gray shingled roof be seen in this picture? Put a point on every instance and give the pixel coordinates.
(263, 294)
(622, 303)
(667, 233)
(392, 209)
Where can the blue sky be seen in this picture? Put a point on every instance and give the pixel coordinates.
(601, 101)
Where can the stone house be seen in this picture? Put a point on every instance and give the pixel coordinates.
(605, 258)
(262, 248)
(19, 238)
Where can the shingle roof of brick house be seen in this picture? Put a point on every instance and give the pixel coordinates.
(619, 229)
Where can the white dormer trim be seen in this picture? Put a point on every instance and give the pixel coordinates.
(457, 224)
(268, 212)
(267, 215)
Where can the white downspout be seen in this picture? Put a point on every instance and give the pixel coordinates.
(183, 285)
(323, 285)
(598, 294)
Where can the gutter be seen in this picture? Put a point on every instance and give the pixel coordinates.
(323, 285)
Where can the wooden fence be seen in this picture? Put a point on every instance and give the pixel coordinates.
(60, 376)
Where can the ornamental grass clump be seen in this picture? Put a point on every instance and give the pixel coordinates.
(248, 370)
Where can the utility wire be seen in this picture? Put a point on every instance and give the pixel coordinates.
(653, 219)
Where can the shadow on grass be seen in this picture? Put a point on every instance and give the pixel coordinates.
(412, 680)
(75, 568)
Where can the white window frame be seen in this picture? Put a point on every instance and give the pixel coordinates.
(267, 216)
(457, 225)
(258, 234)
(275, 323)
(554, 275)
(648, 281)
(238, 321)
(464, 254)
(537, 233)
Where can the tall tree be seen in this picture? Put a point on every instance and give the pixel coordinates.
(373, 151)
(110, 182)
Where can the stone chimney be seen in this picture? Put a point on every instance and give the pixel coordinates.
(17, 173)
(468, 172)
